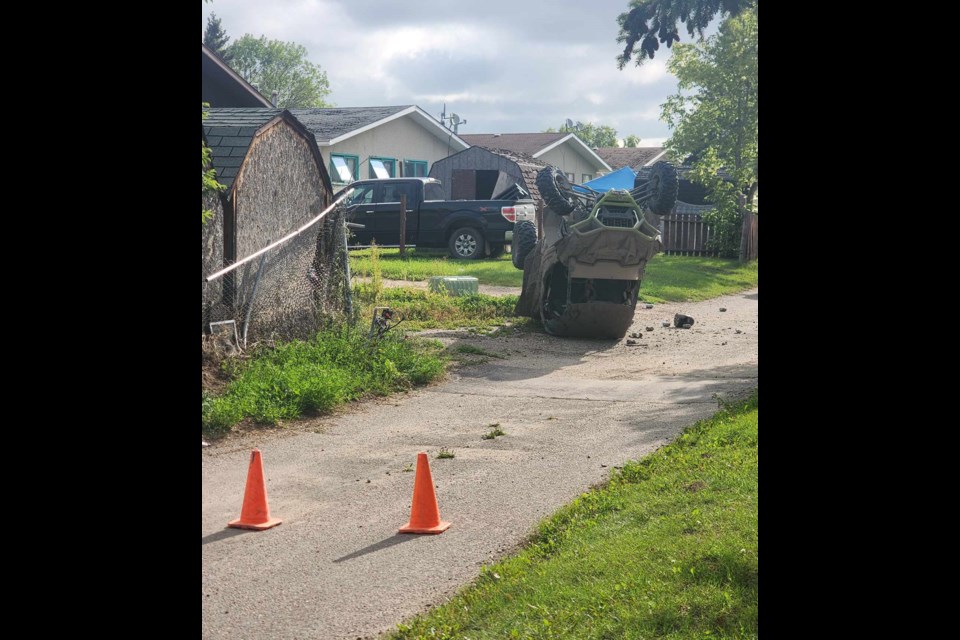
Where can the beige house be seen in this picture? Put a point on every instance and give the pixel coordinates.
(563, 150)
(358, 143)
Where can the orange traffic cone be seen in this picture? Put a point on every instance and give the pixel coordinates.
(424, 514)
(255, 513)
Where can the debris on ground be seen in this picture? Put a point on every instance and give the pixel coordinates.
(631, 343)
(648, 306)
(204, 443)
(649, 328)
(636, 334)
(738, 331)
(682, 321)
(665, 323)
(723, 308)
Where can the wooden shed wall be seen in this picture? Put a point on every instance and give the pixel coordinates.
(278, 188)
(476, 158)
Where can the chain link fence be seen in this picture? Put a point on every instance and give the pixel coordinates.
(290, 291)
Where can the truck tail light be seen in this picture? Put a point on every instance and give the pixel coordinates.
(510, 213)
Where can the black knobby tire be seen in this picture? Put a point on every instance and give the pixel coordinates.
(554, 188)
(663, 179)
(466, 243)
(524, 240)
(496, 250)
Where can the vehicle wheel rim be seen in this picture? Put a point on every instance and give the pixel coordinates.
(466, 245)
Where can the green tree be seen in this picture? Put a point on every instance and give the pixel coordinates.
(631, 141)
(594, 135)
(216, 38)
(208, 173)
(714, 119)
(648, 21)
(274, 65)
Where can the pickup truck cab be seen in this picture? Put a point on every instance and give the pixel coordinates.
(470, 229)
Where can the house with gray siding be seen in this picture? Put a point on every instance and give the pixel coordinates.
(563, 150)
(358, 143)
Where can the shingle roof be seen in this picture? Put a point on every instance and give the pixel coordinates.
(528, 143)
(633, 157)
(228, 133)
(327, 124)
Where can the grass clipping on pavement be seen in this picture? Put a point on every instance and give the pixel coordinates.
(668, 549)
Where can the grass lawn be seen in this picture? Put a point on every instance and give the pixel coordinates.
(667, 278)
(312, 377)
(668, 549)
(421, 264)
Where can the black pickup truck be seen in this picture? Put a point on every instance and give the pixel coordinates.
(471, 229)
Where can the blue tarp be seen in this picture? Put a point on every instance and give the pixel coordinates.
(619, 179)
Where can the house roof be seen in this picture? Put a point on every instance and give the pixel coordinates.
(229, 133)
(532, 144)
(221, 84)
(528, 143)
(633, 157)
(334, 125)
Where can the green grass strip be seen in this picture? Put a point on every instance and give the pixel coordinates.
(312, 377)
(667, 278)
(668, 549)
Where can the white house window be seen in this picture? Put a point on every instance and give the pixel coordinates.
(383, 167)
(570, 177)
(344, 168)
(587, 177)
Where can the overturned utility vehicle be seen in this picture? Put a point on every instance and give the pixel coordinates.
(582, 277)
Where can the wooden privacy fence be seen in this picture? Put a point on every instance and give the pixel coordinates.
(748, 242)
(686, 234)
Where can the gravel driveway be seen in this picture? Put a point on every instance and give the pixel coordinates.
(572, 410)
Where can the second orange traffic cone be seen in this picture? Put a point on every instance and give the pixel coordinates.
(255, 513)
(424, 513)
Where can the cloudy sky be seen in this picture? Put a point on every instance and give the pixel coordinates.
(506, 66)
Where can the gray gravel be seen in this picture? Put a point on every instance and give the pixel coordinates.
(571, 409)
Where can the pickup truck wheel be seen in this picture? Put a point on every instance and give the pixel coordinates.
(496, 250)
(663, 179)
(524, 239)
(554, 188)
(466, 243)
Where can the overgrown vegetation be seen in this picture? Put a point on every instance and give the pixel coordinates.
(208, 173)
(668, 549)
(425, 309)
(310, 377)
(445, 454)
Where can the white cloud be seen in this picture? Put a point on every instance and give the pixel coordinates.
(528, 71)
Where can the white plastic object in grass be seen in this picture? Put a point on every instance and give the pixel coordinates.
(454, 285)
